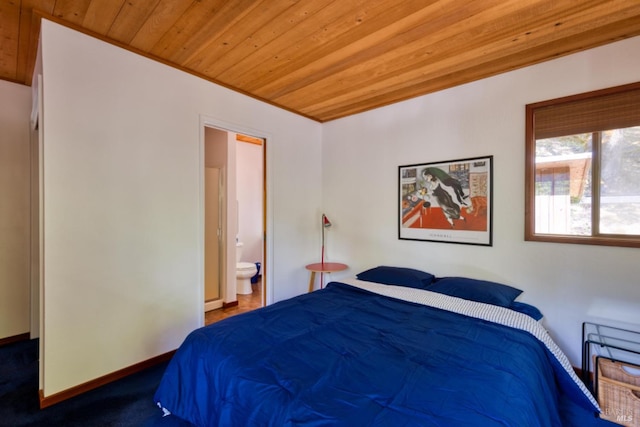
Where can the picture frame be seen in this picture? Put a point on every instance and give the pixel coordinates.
(449, 201)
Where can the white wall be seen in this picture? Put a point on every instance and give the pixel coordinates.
(569, 283)
(123, 203)
(15, 109)
(249, 191)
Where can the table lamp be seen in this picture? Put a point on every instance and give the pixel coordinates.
(325, 224)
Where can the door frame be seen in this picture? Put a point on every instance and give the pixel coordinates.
(267, 267)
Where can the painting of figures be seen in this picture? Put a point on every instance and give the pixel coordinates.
(446, 201)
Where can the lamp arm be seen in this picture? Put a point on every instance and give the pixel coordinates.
(322, 254)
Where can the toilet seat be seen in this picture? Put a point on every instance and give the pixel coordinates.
(245, 266)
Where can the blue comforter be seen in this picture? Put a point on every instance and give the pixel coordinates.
(343, 356)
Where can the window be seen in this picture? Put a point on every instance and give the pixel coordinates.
(583, 168)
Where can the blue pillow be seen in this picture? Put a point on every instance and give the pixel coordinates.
(476, 290)
(527, 309)
(399, 276)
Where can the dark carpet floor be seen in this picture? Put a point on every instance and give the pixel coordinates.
(123, 403)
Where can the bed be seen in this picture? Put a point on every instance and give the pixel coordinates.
(392, 347)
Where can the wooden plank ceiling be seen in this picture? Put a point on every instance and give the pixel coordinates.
(327, 59)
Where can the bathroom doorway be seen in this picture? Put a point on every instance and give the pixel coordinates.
(234, 221)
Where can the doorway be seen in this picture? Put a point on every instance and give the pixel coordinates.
(234, 216)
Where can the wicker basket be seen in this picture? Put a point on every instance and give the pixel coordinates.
(619, 392)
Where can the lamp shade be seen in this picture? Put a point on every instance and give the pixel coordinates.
(325, 221)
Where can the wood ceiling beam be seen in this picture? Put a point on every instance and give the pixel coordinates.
(464, 73)
(283, 53)
(101, 14)
(165, 15)
(382, 32)
(72, 11)
(412, 61)
(446, 56)
(229, 53)
(325, 59)
(199, 16)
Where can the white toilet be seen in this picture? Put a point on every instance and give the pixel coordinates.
(244, 272)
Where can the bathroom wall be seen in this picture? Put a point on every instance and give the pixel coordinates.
(249, 183)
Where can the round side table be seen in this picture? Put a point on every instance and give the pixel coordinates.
(323, 267)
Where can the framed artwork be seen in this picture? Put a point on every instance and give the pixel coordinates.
(446, 201)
